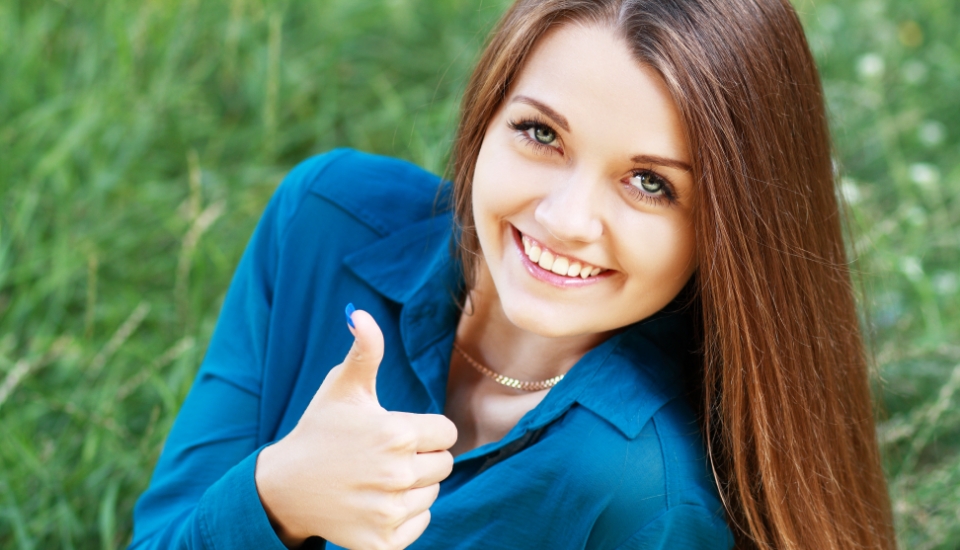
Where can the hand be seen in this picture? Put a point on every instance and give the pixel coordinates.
(352, 472)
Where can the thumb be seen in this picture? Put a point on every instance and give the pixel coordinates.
(363, 360)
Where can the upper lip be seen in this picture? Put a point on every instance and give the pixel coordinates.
(556, 250)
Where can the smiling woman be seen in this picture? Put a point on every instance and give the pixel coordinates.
(640, 267)
(589, 179)
(560, 193)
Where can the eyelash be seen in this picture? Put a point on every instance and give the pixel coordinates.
(667, 197)
(524, 125)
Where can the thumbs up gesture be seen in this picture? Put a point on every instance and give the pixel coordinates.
(352, 472)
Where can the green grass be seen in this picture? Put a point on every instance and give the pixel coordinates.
(139, 142)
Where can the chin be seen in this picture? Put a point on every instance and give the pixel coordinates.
(550, 322)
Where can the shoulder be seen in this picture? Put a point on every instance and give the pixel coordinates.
(381, 193)
(687, 474)
(664, 465)
(648, 484)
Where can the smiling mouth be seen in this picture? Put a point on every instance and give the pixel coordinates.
(554, 268)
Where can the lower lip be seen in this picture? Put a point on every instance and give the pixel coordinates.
(550, 277)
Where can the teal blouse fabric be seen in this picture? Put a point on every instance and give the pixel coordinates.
(610, 459)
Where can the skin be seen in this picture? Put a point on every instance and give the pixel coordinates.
(611, 151)
(350, 471)
(573, 194)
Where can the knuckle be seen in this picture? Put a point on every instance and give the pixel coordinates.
(388, 514)
(356, 355)
(397, 473)
(382, 515)
(400, 479)
(401, 438)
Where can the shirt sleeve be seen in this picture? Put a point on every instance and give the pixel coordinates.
(683, 527)
(203, 492)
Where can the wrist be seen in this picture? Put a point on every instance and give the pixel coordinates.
(270, 488)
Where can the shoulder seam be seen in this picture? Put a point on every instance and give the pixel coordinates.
(668, 475)
(337, 155)
(673, 480)
(663, 458)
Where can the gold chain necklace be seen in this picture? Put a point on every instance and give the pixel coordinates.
(506, 380)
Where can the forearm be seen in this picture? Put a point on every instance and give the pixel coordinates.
(228, 515)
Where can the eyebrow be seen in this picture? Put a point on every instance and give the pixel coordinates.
(562, 123)
(662, 161)
(545, 109)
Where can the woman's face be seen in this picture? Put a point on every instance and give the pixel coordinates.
(582, 191)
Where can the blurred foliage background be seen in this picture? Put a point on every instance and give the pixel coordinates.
(139, 141)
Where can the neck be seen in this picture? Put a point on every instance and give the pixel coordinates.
(488, 335)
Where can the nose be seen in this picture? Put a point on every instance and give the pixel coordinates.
(569, 210)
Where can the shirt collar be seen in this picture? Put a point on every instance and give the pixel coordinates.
(400, 265)
(624, 380)
(648, 365)
(415, 268)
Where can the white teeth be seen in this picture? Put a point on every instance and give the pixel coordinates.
(546, 260)
(560, 265)
(534, 253)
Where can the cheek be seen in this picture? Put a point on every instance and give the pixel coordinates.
(659, 252)
(502, 184)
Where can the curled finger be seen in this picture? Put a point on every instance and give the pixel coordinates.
(416, 501)
(433, 467)
(410, 530)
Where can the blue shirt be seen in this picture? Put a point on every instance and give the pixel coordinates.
(611, 458)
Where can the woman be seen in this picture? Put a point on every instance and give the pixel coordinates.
(638, 309)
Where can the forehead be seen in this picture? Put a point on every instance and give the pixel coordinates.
(588, 74)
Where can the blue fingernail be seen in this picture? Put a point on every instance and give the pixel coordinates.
(349, 311)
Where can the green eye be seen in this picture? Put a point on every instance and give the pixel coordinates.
(649, 182)
(544, 135)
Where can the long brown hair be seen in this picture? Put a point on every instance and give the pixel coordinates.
(787, 415)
